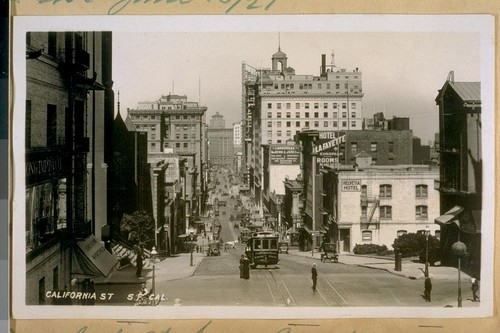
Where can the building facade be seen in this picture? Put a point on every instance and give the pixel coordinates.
(221, 142)
(460, 183)
(68, 110)
(377, 204)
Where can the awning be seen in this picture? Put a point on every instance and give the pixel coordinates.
(90, 258)
(292, 231)
(448, 217)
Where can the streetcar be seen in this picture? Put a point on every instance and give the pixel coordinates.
(245, 234)
(262, 249)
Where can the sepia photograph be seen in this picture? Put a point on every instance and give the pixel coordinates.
(332, 166)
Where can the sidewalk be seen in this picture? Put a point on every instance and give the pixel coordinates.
(169, 268)
(409, 269)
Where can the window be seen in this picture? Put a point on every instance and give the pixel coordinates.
(353, 105)
(325, 123)
(185, 117)
(335, 115)
(269, 124)
(288, 115)
(297, 124)
(401, 232)
(373, 147)
(288, 105)
(325, 106)
(278, 105)
(306, 124)
(364, 212)
(421, 212)
(288, 124)
(325, 114)
(153, 145)
(282, 86)
(316, 124)
(269, 115)
(185, 136)
(391, 147)
(269, 134)
(421, 191)
(52, 47)
(177, 136)
(366, 235)
(354, 147)
(344, 114)
(353, 123)
(51, 125)
(301, 86)
(297, 105)
(278, 133)
(353, 114)
(337, 86)
(307, 114)
(335, 123)
(177, 145)
(297, 114)
(344, 124)
(186, 145)
(306, 105)
(278, 124)
(344, 105)
(319, 85)
(335, 105)
(316, 105)
(153, 136)
(275, 86)
(316, 114)
(328, 86)
(278, 115)
(288, 133)
(385, 191)
(269, 105)
(386, 212)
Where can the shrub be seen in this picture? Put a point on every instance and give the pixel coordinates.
(413, 244)
(369, 249)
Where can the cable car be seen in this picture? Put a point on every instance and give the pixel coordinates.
(262, 249)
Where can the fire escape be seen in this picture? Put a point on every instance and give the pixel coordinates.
(369, 203)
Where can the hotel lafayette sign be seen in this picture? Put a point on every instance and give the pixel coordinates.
(328, 147)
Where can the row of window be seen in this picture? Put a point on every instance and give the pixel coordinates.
(310, 85)
(373, 147)
(335, 114)
(386, 212)
(385, 191)
(366, 235)
(324, 105)
(316, 124)
(154, 117)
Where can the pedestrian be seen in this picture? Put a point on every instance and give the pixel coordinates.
(314, 275)
(139, 262)
(427, 288)
(475, 289)
(246, 268)
(242, 263)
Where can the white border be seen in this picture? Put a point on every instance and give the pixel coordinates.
(484, 24)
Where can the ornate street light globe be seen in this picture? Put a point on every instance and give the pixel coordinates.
(459, 249)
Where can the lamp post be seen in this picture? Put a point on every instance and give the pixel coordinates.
(191, 247)
(460, 250)
(427, 232)
(153, 257)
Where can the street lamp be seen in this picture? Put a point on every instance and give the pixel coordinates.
(460, 250)
(191, 247)
(153, 257)
(427, 232)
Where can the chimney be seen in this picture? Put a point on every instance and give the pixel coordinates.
(323, 64)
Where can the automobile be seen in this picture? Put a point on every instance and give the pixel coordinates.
(213, 249)
(283, 247)
(329, 252)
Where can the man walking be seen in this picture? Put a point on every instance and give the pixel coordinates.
(474, 288)
(314, 273)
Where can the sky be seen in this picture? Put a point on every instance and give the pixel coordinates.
(402, 71)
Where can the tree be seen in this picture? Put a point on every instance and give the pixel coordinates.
(138, 228)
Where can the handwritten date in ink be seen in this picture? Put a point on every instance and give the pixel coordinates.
(250, 4)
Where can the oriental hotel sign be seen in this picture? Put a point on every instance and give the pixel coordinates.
(42, 167)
